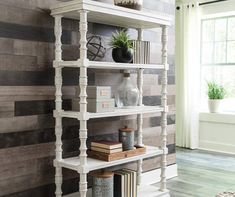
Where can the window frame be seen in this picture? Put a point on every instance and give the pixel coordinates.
(214, 17)
(201, 41)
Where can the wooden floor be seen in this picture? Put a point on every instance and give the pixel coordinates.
(202, 174)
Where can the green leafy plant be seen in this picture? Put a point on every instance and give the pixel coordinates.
(215, 91)
(120, 39)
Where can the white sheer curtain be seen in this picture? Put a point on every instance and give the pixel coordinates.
(187, 74)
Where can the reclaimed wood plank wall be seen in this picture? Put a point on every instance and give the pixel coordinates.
(27, 93)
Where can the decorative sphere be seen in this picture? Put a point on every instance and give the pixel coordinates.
(95, 48)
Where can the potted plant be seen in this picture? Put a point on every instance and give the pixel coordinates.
(122, 47)
(215, 94)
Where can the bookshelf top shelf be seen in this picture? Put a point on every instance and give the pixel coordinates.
(109, 14)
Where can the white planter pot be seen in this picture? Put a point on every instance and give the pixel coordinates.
(213, 105)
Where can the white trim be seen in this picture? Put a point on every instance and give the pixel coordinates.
(150, 177)
(228, 118)
(217, 147)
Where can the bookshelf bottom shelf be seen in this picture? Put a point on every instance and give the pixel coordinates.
(143, 191)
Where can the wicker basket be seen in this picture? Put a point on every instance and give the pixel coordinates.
(133, 4)
(226, 194)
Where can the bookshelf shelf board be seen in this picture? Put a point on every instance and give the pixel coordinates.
(117, 112)
(108, 65)
(94, 164)
(110, 14)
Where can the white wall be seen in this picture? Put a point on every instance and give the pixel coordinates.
(217, 132)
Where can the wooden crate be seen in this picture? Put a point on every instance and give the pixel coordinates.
(116, 156)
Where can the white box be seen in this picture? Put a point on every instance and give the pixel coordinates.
(96, 106)
(96, 92)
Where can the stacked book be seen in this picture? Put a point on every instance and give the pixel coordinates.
(107, 147)
(125, 183)
(141, 52)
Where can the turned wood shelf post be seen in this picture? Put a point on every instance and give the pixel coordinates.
(58, 102)
(140, 116)
(83, 101)
(165, 109)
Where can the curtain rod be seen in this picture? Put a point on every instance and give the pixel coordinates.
(210, 2)
(206, 3)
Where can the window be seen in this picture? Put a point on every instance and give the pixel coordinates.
(218, 56)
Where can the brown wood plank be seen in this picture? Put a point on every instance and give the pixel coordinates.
(27, 93)
(18, 62)
(26, 123)
(24, 153)
(6, 109)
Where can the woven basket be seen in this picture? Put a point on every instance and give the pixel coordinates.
(226, 194)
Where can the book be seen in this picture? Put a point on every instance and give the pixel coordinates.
(104, 150)
(128, 184)
(133, 182)
(125, 183)
(126, 188)
(119, 187)
(107, 144)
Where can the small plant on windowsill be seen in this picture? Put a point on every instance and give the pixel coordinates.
(215, 93)
(122, 47)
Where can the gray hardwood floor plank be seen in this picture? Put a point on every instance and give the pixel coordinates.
(202, 174)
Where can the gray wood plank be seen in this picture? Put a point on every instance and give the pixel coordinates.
(202, 174)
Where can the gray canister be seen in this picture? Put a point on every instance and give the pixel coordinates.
(126, 136)
(102, 184)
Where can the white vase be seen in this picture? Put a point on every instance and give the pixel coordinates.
(127, 94)
(213, 105)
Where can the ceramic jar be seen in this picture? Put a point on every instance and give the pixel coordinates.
(126, 136)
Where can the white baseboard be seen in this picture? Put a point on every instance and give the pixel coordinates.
(217, 147)
(148, 178)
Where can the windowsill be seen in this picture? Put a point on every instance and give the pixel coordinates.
(222, 117)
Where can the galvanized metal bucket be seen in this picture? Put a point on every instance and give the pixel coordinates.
(102, 184)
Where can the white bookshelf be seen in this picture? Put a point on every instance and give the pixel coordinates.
(93, 11)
